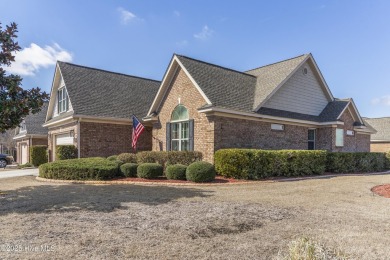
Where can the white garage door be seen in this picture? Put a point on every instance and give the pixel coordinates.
(24, 153)
(64, 139)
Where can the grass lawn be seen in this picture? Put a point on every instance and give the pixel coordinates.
(248, 221)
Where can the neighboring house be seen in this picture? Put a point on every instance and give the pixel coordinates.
(380, 142)
(92, 109)
(286, 105)
(30, 133)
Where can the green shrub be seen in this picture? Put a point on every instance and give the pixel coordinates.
(258, 164)
(65, 152)
(387, 164)
(129, 169)
(200, 172)
(127, 157)
(356, 162)
(26, 165)
(79, 169)
(176, 172)
(149, 170)
(112, 158)
(38, 155)
(166, 158)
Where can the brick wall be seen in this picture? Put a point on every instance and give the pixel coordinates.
(241, 133)
(102, 139)
(183, 89)
(39, 141)
(380, 147)
(352, 143)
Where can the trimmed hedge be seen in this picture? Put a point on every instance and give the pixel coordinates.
(38, 155)
(176, 172)
(356, 162)
(79, 169)
(129, 169)
(169, 157)
(149, 170)
(127, 157)
(66, 152)
(258, 164)
(112, 158)
(388, 160)
(200, 172)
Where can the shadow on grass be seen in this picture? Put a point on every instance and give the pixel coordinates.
(76, 197)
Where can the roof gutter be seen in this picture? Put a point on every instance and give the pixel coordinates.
(259, 116)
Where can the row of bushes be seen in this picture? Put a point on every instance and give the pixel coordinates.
(196, 172)
(163, 158)
(103, 169)
(258, 164)
(39, 154)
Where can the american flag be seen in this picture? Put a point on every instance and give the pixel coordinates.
(137, 130)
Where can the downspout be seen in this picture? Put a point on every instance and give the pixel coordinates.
(78, 138)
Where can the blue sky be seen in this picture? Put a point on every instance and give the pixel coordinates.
(350, 40)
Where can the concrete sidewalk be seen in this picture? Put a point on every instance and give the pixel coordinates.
(7, 173)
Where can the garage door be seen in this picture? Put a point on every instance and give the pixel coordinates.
(24, 154)
(64, 139)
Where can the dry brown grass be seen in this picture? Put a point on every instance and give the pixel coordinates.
(250, 221)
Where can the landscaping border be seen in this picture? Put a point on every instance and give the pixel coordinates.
(235, 182)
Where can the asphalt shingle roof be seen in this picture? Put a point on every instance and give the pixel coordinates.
(330, 113)
(99, 93)
(244, 91)
(382, 126)
(224, 87)
(34, 122)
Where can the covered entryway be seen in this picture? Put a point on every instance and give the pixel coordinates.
(24, 153)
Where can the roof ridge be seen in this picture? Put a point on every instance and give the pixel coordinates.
(107, 71)
(383, 117)
(212, 64)
(277, 62)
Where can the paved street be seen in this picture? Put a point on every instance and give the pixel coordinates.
(6, 173)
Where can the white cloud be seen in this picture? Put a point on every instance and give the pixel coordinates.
(126, 16)
(29, 60)
(204, 34)
(384, 100)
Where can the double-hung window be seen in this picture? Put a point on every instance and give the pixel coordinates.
(180, 130)
(63, 101)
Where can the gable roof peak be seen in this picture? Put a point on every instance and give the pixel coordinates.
(286, 60)
(211, 64)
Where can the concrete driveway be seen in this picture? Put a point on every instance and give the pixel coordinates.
(7, 173)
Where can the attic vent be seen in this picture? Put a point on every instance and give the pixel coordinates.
(304, 71)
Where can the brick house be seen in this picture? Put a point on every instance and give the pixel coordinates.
(286, 105)
(92, 109)
(29, 133)
(380, 141)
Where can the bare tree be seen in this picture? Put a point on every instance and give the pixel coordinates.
(7, 143)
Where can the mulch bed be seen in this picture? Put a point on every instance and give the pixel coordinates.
(382, 190)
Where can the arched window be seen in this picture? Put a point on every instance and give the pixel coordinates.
(180, 130)
(180, 113)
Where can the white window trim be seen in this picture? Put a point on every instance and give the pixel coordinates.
(180, 139)
(63, 100)
(339, 130)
